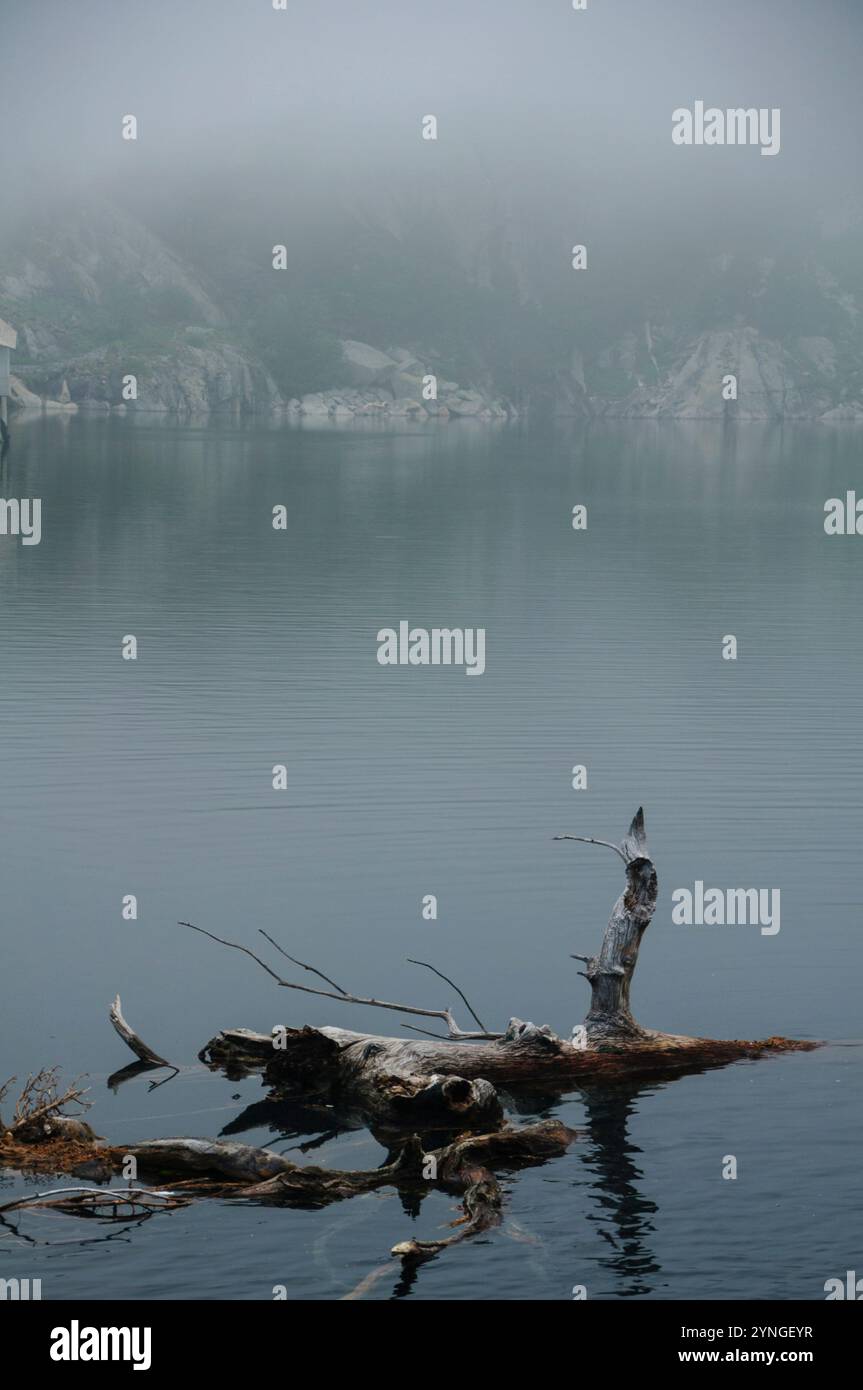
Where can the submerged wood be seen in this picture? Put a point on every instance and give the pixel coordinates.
(200, 1168)
(109, 1204)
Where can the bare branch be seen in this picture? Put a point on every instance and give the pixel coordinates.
(589, 840)
(40, 1099)
(454, 1032)
(139, 1205)
(302, 964)
(262, 963)
(108, 1196)
(477, 1020)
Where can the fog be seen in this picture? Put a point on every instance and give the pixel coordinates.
(305, 127)
(550, 107)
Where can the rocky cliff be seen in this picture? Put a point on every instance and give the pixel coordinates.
(725, 373)
(98, 298)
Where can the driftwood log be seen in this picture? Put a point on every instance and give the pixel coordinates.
(436, 1104)
(456, 1079)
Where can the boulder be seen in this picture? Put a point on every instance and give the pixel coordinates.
(364, 365)
(403, 383)
(465, 403)
(404, 359)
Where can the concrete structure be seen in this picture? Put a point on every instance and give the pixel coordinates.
(8, 341)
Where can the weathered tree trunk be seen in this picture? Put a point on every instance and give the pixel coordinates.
(609, 1020)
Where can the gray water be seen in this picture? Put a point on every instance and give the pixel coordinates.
(258, 647)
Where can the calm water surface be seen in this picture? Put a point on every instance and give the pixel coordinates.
(257, 647)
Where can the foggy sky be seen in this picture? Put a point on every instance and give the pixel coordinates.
(537, 101)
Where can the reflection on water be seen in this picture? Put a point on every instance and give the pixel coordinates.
(614, 1163)
(257, 647)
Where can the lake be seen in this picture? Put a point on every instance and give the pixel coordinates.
(257, 647)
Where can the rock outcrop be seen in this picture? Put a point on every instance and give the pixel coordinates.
(365, 365)
(720, 374)
(771, 381)
(189, 379)
(399, 385)
(100, 275)
(97, 297)
(92, 267)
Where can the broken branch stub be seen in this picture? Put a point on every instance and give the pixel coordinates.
(131, 1039)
